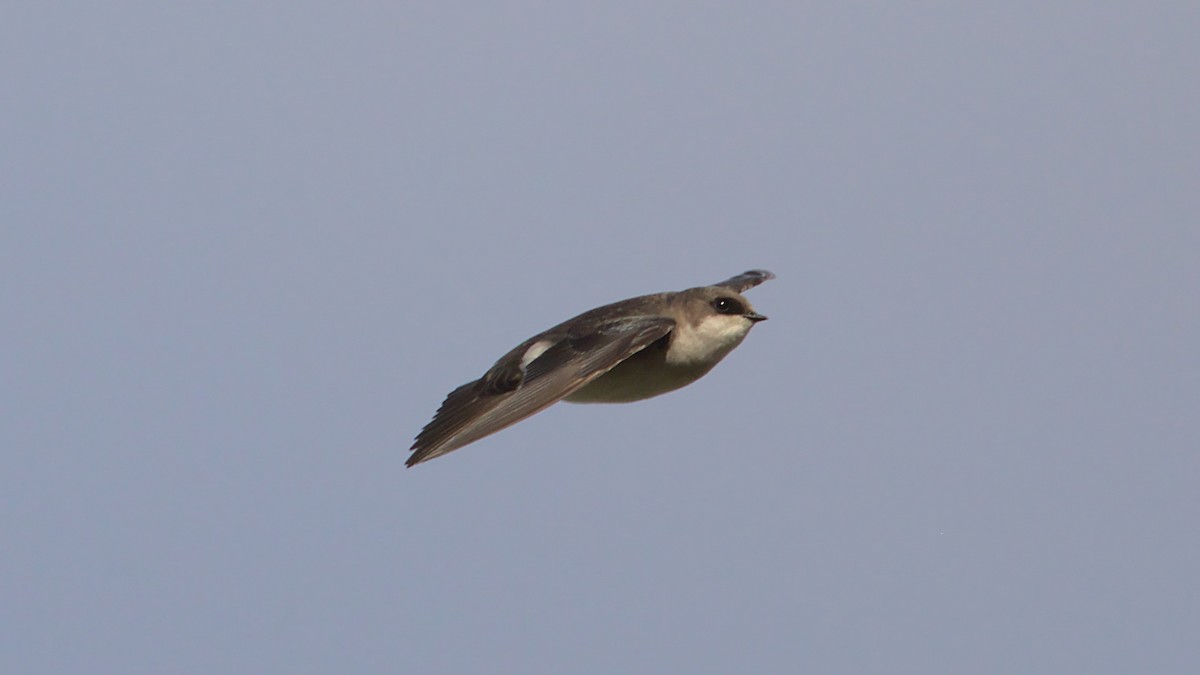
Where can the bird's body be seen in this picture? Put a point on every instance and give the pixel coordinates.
(622, 352)
(673, 361)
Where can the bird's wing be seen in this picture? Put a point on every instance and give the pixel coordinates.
(745, 280)
(512, 391)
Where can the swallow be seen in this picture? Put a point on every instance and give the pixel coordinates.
(621, 352)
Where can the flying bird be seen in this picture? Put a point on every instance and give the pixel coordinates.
(625, 351)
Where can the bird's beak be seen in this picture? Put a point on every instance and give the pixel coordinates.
(755, 316)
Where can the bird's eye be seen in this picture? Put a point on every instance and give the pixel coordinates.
(727, 306)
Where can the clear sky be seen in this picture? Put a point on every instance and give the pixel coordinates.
(247, 248)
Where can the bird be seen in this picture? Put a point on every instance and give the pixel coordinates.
(618, 353)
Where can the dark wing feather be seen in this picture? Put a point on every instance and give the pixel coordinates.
(470, 412)
(745, 280)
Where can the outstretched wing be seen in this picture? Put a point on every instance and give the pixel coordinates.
(513, 389)
(745, 280)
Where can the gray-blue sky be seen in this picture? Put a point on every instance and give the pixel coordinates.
(248, 248)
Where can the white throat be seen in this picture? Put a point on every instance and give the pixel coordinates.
(708, 341)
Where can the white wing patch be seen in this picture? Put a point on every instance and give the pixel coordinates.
(535, 350)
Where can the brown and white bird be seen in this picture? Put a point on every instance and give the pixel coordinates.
(626, 351)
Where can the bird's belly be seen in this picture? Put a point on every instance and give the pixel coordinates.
(636, 379)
